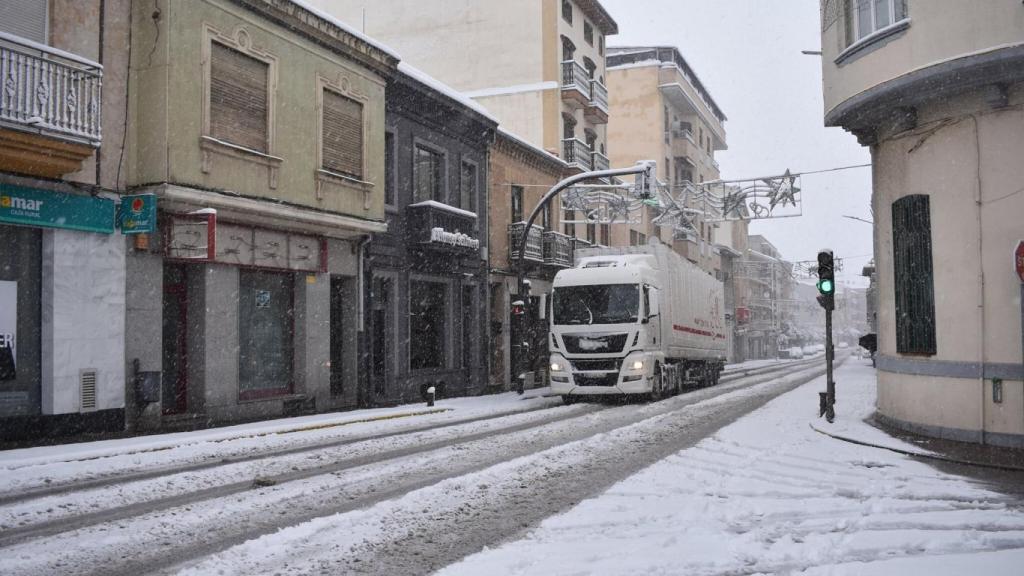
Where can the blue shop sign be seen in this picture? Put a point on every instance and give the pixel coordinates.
(137, 214)
(34, 207)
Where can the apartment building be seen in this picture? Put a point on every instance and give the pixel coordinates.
(769, 290)
(935, 90)
(661, 111)
(63, 64)
(259, 128)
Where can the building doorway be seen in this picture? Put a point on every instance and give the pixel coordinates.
(382, 334)
(337, 335)
(174, 396)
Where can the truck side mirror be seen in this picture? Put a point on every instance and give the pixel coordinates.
(653, 305)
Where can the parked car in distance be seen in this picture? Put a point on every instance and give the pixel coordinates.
(795, 353)
(810, 350)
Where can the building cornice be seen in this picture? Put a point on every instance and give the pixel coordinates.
(529, 155)
(871, 108)
(325, 32)
(601, 18)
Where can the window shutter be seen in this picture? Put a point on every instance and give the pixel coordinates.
(914, 279)
(24, 18)
(342, 135)
(238, 98)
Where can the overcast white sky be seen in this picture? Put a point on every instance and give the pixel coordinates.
(747, 54)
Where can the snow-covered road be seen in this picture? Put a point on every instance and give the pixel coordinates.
(770, 495)
(388, 487)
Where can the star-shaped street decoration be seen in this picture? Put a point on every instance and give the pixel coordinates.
(783, 190)
(732, 203)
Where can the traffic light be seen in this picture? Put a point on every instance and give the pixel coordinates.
(826, 280)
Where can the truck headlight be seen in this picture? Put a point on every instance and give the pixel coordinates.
(638, 365)
(556, 367)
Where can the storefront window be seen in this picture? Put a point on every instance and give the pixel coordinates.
(20, 287)
(428, 323)
(265, 334)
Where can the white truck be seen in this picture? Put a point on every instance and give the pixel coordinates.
(640, 320)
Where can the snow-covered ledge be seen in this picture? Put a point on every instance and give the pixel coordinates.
(445, 207)
(861, 46)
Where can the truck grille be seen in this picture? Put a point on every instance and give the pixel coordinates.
(609, 380)
(602, 364)
(594, 344)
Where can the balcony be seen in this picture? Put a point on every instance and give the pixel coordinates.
(600, 161)
(534, 242)
(575, 84)
(440, 226)
(597, 108)
(576, 154)
(50, 105)
(558, 249)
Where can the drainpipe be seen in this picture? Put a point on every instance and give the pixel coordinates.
(981, 274)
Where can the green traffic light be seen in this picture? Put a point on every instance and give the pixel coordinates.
(826, 287)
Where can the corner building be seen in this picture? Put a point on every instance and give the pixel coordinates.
(936, 90)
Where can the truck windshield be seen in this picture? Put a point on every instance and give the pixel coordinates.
(604, 304)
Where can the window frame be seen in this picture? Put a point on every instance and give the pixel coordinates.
(443, 190)
(209, 145)
(588, 32)
(475, 200)
(337, 88)
(567, 14)
(516, 194)
(390, 170)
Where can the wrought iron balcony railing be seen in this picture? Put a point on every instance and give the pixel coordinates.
(600, 161)
(558, 249)
(576, 152)
(599, 96)
(534, 241)
(50, 91)
(575, 81)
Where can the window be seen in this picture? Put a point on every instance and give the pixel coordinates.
(26, 18)
(545, 217)
(468, 185)
(265, 309)
(590, 66)
(592, 233)
(570, 226)
(567, 11)
(606, 231)
(568, 50)
(429, 175)
(914, 281)
(568, 127)
(428, 320)
(517, 203)
(588, 32)
(342, 137)
(600, 44)
(869, 16)
(389, 168)
(238, 98)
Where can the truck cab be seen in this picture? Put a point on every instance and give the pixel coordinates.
(605, 326)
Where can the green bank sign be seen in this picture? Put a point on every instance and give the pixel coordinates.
(33, 207)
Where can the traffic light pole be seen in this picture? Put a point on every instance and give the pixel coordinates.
(830, 387)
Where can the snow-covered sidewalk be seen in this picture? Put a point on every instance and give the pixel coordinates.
(768, 494)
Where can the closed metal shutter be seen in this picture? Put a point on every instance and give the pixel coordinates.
(25, 18)
(913, 274)
(342, 135)
(238, 98)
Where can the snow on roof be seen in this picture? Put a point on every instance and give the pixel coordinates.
(443, 88)
(640, 64)
(347, 28)
(526, 143)
(445, 207)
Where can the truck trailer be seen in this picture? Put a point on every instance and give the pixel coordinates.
(638, 320)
